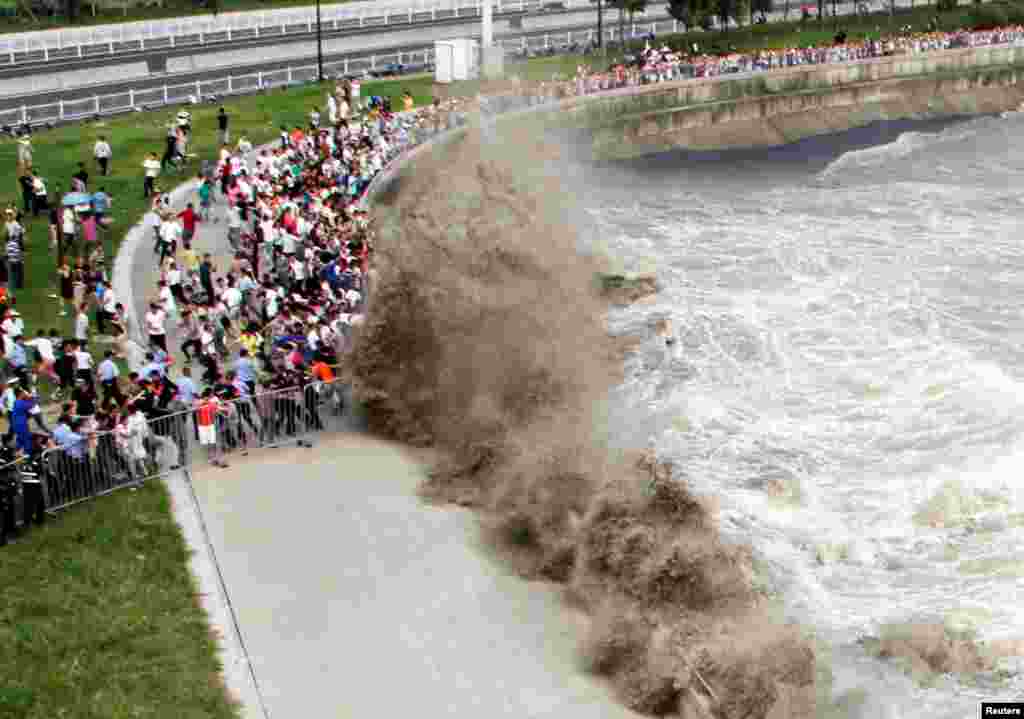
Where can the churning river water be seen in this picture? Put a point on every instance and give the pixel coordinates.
(848, 379)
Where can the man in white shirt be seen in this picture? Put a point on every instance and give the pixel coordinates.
(232, 298)
(152, 167)
(83, 365)
(101, 151)
(108, 310)
(155, 328)
(169, 231)
(234, 227)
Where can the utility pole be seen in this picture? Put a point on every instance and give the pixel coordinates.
(319, 47)
(600, 24)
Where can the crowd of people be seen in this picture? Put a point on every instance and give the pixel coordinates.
(244, 339)
(262, 319)
(662, 64)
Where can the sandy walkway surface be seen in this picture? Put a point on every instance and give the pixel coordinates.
(355, 599)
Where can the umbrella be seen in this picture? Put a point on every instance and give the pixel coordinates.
(77, 198)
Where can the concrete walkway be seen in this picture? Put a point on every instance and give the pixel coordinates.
(355, 599)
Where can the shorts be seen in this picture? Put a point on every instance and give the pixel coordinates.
(207, 435)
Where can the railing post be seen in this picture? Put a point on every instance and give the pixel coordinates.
(96, 100)
(111, 47)
(165, 94)
(60, 111)
(79, 49)
(24, 115)
(259, 80)
(229, 33)
(231, 87)
(345, 66)
(172, 39)
(142, 43)
(131, 98)
(199, 91)
(289, 74)
(410, 16)
(373, 62)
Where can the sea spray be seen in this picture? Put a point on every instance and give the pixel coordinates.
(489, 344)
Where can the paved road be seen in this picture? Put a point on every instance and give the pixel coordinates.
(355, 599)
(12, 102)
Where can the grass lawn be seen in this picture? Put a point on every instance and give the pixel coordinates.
(99, 618)
(98, 614)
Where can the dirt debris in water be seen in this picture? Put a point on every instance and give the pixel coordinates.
(486, 340)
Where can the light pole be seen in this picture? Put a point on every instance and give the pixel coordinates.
(319, 47)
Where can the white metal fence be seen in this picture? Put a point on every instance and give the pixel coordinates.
(45, 45)
(106, 40)
(303, 71)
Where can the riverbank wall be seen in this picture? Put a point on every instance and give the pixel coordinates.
(783, 106)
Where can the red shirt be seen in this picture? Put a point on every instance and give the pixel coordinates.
(188, 219)
(206, 413)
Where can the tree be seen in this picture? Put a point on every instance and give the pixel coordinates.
(630, 7)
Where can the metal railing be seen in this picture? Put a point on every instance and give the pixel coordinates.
(107, 40)
(46, 45)
(129, 100)
(103, 462)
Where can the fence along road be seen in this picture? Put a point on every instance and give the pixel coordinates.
(111, 40)
(105, 41)
(148, 93)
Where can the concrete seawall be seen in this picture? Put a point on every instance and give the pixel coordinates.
(783, 106)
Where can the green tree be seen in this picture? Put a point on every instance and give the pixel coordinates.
(693, 13)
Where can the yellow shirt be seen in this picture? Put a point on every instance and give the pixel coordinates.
(408, 102)
(251, 342)
(191, 260)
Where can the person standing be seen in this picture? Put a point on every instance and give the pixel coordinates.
(188, 219)
(24, 161)
(15, 247)
(101, 151)
(155, 327)
(207, 409)
(206, 270)
(108, 374)
(67, 232)
(152, 166)
(41, 203)
(80, 180)
(101, 203)
(222, 125)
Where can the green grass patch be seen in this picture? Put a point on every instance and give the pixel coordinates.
(100, 618)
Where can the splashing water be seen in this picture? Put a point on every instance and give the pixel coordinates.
(848, 377)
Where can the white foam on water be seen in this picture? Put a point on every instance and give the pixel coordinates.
(855, 368)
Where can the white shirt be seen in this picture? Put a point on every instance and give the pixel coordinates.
(168, 299)
(169, 232)
(232, 297)
(152, 167)
(155, 322)
(69, 221)
(174, 277)
(45, 348)
(101, 149)
(109, 301)
(83, 360)
(82, 326)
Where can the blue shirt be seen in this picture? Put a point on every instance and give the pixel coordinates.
(187, 390)
(108, 370)
(150, 369)
(244, 369)
(20, 414)
(100, 202)
(71, 442)
(17, 356)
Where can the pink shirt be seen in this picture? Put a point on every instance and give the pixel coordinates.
(89, 228)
